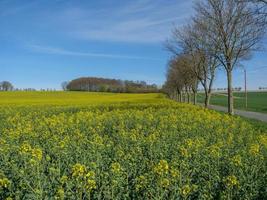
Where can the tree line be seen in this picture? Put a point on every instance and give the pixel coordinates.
(238, 89)
(95, 84)
(220, 35)
(6, 86)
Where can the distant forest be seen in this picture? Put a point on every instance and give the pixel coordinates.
(94, 84)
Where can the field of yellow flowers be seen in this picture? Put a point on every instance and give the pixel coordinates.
(134, 148)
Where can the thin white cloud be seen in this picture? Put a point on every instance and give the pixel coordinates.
(137, 30)
(64, 52)
(140, 21)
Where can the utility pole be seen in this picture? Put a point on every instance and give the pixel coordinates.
(246, 93)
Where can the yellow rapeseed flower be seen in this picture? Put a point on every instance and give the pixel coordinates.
(165, 183)
(185, 190)
(189, 143)
(263, 140)
(236, 160)
(90, 175)
(4, 183)
(174, 173)
(254, 149)
(33, 162)
(90, 184)
(184, 152)
(141, 182)
(37, 153)
(116, 167)
(162, 167)
(78, 170)
(25, 148)
(231, 181)
(214, 150)
(60, 193)
(63, 179)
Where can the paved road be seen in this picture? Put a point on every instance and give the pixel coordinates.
(248, 114)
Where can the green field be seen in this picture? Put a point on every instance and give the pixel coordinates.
(76, 145)
(257, 101)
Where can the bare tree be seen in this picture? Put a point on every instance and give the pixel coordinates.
(259, 6)
(190, 79)
(174, 84)
(259, 1)
(192, 40)
(237, 30)
(180, 80)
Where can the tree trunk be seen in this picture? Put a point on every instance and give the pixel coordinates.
(188, 97)
(230, 93)
(195, 98)
(178, 95)
(210, 90)
(207, 99)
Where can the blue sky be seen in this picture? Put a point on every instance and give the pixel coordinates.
(46, 42)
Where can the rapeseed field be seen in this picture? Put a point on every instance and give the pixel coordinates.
(121, 146)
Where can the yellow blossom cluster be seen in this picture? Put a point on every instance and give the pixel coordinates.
(231, 181)
(162, 167)
(36, 153)
(78, 170)
(116, 167)
(4, 183)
